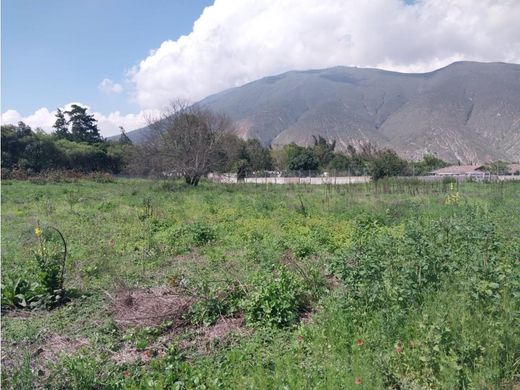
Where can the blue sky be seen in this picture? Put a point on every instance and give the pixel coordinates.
(127, 59)
(58, 51)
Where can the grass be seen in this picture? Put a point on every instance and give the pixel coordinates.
(403, 285)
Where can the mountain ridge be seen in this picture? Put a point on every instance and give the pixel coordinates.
(467, 111)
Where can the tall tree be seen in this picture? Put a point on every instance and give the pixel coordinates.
(83, 125)
(323, 150)
(186, 141)
(123, 138)
(60, 126)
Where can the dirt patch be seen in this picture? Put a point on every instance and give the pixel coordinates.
(306, 317)
(17, 313)
(198, 339)
(129, 354)
(204, 338)
(150, 307)
(223, 328)
(56, 346)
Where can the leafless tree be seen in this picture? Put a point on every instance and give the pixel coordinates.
(186, 141)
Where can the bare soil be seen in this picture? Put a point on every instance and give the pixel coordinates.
(150, 307)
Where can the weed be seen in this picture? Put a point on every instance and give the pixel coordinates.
(275, 301)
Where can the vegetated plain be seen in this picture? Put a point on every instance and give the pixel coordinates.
(400, 285)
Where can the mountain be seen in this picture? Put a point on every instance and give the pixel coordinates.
(467, 111)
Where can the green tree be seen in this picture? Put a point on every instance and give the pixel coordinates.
(386, 163)
(323, 150)
(301, 159)
(123, 138)
(339, 162)
(428, 164)
(60, 126)
(497, 168)
(82, 125)
(257, 156)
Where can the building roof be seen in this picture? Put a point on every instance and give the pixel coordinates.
(458, 170)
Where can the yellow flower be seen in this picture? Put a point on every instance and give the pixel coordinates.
(38, 232)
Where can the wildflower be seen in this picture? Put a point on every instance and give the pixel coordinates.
(126, 374)
(357, 381)
(398, 348)
(38, 232)
(360, 342)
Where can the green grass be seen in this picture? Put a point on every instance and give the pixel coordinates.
(432, 289)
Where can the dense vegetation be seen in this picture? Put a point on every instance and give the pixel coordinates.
(26, 152)
(76, 145)
(384, 285)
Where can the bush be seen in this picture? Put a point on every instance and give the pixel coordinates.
(215, 304)
(182, 238)
(276, 301)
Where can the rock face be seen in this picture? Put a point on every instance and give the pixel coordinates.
(467, 111)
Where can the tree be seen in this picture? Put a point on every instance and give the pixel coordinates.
(497, 168)
(339, 162)
(323, 150)
(60, 126)
(83, 125)
(257, 156)
(186, 141)
(386, 163)
(123, 138)
(428, 164)
(301, 159)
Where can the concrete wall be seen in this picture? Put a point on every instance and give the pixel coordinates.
(232, 178)
(291, 180)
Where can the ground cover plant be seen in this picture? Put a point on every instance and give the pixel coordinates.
(395, 284)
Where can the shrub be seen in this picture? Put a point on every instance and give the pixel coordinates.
(276, 301)
(183, 238)
(215, 304)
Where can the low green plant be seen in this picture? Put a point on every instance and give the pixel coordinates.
(47, 290)
(51, 257)
(277, 299)
(184, 237)
(19, 292)
(215, 304)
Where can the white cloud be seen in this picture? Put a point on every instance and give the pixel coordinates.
(108, 87)
(11, 117)
(108, 124)
(235, 42)
(40, 118)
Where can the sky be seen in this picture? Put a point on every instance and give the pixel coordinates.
(127, 60)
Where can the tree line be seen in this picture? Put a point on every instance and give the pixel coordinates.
(187, 141)
(75, 144)
(191, 141)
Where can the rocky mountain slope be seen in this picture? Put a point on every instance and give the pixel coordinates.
(467, 111)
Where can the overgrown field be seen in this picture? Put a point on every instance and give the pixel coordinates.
(400, 286)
